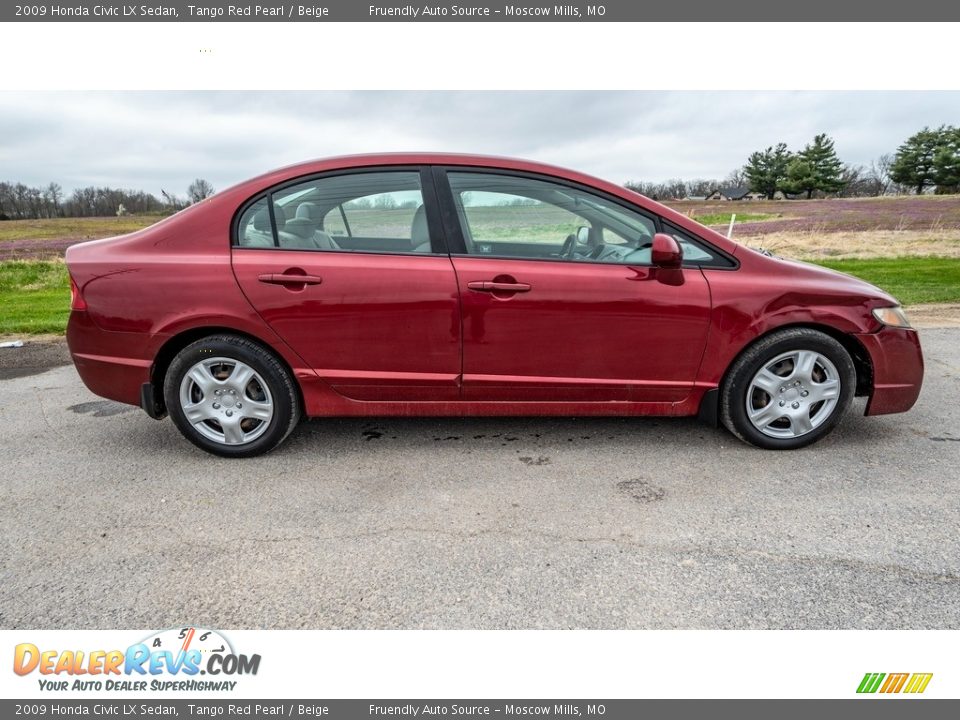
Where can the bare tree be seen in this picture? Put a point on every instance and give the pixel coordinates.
(879, 175)
(853, 181)
(737, 178)
(52, 195)
(172, 201)
(199, 190)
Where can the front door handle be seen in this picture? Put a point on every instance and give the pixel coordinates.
(289, 279)
(493, 286)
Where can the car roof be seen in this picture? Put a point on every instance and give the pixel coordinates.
(339, 162)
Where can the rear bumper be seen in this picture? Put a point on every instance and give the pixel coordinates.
(113, 365)
(897, 362)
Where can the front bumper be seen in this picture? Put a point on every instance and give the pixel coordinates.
(897, 362)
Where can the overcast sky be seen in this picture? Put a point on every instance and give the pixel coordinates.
(154, 140)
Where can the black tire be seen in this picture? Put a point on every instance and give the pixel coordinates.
(733, 390)
(281, 387)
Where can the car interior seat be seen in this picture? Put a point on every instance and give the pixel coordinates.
(261, 234)
(305, 226)
(303, 230)
(419, 232)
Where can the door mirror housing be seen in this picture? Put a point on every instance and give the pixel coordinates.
(583, 235)
(666, 251)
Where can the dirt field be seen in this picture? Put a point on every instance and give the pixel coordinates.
(913, 213)
(842, 228)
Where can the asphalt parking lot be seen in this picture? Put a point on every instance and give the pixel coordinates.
(109, 519)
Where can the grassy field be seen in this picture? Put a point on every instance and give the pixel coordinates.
(723, 218)
(35, 297)
(911, 280)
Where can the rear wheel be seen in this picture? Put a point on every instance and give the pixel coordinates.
(788, 390)
(231, 397)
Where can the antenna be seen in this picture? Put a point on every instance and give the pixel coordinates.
(733, 219)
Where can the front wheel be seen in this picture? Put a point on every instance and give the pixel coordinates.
(231, 397)
(788, 390)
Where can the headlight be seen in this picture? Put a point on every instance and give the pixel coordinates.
(892, 316)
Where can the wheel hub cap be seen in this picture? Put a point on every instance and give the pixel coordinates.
(793, 394)
(226, 401)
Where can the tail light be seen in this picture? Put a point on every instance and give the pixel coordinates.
(76, 299)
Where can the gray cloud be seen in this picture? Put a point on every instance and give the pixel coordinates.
(154, 140)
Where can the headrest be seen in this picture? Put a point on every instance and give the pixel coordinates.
(419, 232)
(261, 221)
(309, 211)
(280, 216)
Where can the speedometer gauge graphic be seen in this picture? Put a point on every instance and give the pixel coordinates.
(183, 639)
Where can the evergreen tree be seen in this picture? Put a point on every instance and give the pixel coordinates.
(800, 178)
(825, 167)
(913, 163)
(946, 161)
(767, 170)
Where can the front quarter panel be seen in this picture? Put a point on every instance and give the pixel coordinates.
(766, 294)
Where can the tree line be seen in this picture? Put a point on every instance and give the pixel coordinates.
(927, 161)
(22, 202)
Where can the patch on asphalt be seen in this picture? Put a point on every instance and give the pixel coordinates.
(32, 359)
(101, 408)
(540, 460)
(641, 490)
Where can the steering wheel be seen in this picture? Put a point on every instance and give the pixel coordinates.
(569, 246)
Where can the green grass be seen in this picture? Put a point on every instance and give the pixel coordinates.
(724, 218)
(911, 280)
(34, 297)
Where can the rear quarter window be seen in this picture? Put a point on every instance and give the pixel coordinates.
(254, 228)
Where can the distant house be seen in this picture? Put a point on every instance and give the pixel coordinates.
(737, 192)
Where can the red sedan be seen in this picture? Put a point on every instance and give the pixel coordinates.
(433, 284)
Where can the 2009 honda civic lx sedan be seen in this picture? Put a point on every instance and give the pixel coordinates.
(443, 285)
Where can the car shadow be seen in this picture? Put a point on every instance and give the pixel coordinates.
(641, 432)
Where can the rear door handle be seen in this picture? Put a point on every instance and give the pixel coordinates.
(491, 286)
(285, 279)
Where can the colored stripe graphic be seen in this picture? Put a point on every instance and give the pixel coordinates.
(894, 683)
(918, 683)
(870, 682)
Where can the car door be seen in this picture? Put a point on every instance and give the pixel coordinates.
(350, 270)
(559, 299)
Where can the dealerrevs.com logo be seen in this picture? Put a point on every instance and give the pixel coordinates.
(168, 660)
(910, 683)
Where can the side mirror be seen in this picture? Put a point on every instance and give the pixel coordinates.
(666, 251)
(583, 235)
